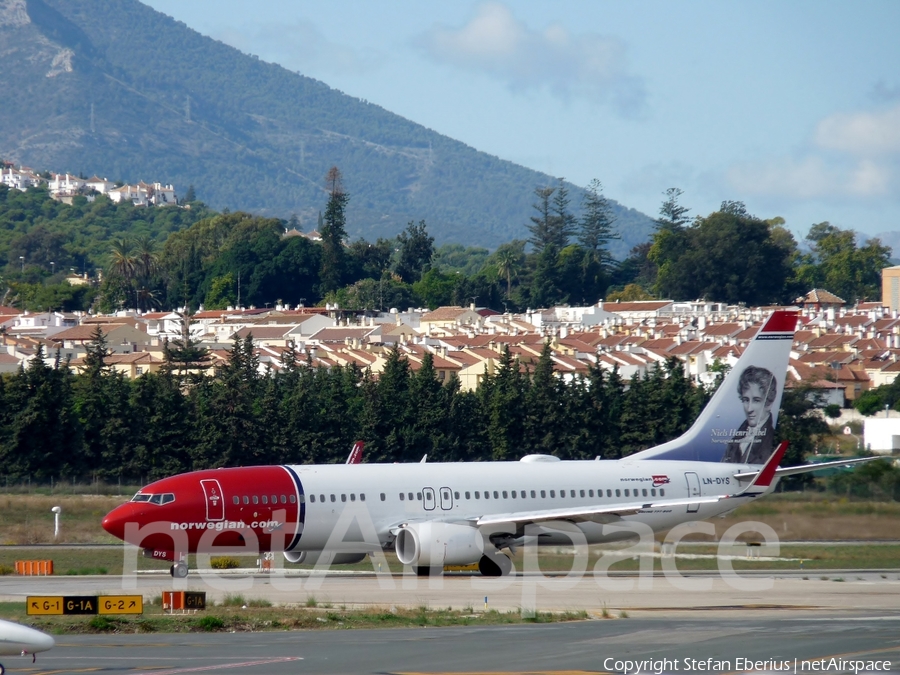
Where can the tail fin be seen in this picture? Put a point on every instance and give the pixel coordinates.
(738, 424)
(355, 456)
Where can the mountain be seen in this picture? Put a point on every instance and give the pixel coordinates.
(115, 88)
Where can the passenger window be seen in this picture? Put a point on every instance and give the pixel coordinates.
(293, 499)
(626, 492)
(265, 499)
(513, 493)
(321, 498)
(246, 499)
(652, 492)
(552, 494)
(302, 498)
(401, 497)
(343, 498)
(496, 496)
(487, 495)
(382, 496)
(619, 495)
(609, 493)
(467, 495)
(283, 499)
(352, 497)
(532, 494)
(419, 496)
(504, 494)
(456, 495)
(274, 499)
(562, 494)
(236, 500)
(644, 491)
(362, 496)
(662, 493)
(255, 499)
(572, 494)
(410, 496)
(543, 494)
(333, 498)
(312, 498)
(590, 493)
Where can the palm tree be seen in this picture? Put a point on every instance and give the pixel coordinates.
(123, 263)
(507, 267)
(146, 259)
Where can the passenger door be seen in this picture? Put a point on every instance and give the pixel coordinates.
(215, 500)
(428, 498)
(446, 499)
(693, 488)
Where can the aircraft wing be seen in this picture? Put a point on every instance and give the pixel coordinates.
(759, 484)
(599, 514)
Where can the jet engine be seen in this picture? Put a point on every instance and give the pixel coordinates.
(313, 557)
(434, 544)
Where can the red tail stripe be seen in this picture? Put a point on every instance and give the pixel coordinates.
(781, 322)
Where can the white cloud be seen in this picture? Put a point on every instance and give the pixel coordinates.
(496, 43)
(853, 155)
(301, 46)
(865, 134)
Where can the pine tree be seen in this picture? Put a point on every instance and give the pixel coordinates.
(333, 231)
(596, 225)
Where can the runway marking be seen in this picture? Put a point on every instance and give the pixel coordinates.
(223, 666)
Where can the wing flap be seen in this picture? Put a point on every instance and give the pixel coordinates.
(590, 513)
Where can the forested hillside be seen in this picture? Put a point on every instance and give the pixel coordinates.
(118, 89)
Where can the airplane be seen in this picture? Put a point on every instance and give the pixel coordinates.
(437, 514)
(19, 640)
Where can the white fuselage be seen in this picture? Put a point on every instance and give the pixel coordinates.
(16, 639)
(394, 494)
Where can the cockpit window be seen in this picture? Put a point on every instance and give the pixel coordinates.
(161, 498)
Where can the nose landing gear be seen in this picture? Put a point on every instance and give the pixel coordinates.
(179, 570)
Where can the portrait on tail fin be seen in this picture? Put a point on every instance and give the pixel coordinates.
(754, 441)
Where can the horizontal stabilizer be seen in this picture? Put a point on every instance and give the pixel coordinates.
(808, 468)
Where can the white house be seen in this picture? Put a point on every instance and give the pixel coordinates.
(882, 435)
(20, 179)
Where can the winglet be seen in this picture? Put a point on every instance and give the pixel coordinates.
(767, 473)
(355, 456)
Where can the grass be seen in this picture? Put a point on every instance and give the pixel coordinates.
(109, 561)
(256, 618)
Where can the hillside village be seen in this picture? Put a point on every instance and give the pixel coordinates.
(839, 351)
(64, 187)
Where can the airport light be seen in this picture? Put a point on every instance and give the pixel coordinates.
(56, 511)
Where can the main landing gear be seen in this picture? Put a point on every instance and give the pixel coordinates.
(494, 565)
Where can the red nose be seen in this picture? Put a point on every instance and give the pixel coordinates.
(115, 520)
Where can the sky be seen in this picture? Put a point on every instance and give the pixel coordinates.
(791, 107)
